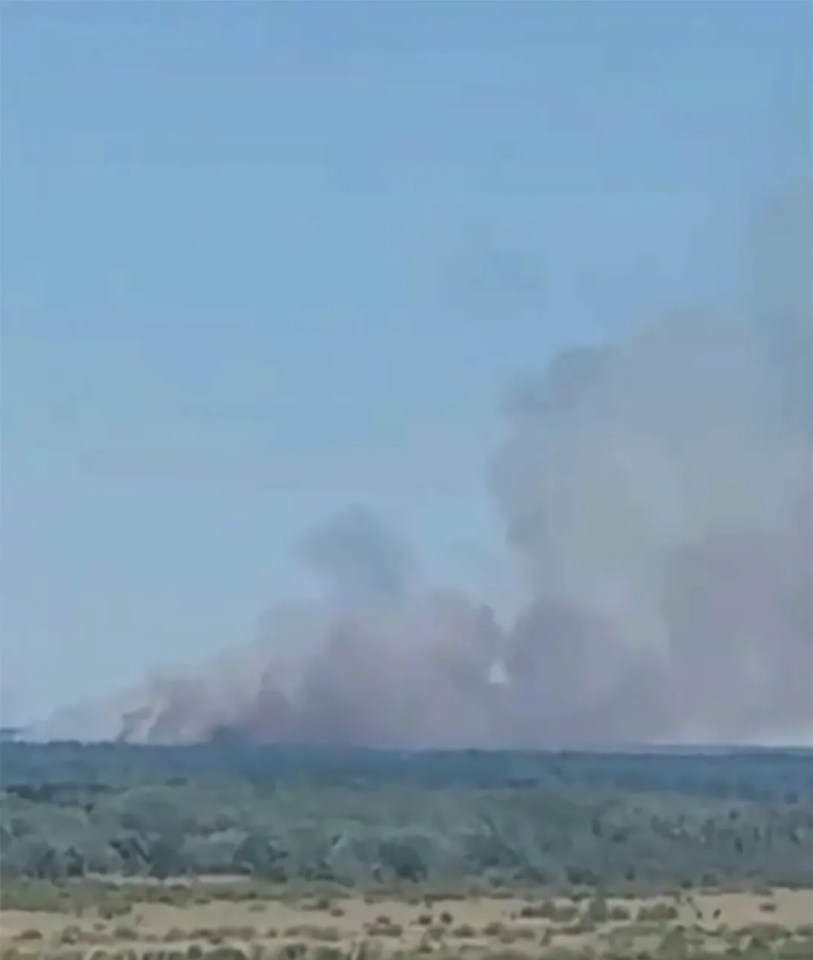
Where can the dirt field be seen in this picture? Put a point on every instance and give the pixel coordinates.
(778, 923)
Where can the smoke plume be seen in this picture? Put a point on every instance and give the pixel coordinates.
(364, 561)
(656, 494)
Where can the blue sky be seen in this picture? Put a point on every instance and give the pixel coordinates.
(263, 260)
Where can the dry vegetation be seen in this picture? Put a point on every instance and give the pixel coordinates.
(112, 853)
(200, 926)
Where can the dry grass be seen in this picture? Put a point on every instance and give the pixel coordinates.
(703, 924)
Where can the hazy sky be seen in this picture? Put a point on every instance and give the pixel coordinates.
(263, 260)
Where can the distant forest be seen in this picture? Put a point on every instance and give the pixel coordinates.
(366, 817)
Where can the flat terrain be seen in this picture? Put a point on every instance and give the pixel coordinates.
(772, 923)
(621, 823)
(114, 852)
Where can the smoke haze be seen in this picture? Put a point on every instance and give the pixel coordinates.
(656, 494)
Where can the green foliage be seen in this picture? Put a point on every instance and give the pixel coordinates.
(358, 817)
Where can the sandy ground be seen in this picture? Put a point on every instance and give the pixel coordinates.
(473, 926)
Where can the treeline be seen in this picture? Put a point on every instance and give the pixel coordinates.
(314, 820)
(769, 775)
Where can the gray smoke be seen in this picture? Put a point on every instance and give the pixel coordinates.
(363, 560)
(656, 494)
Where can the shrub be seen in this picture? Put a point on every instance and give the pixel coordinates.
(29, 934)
(314, 932)
(655, 912)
